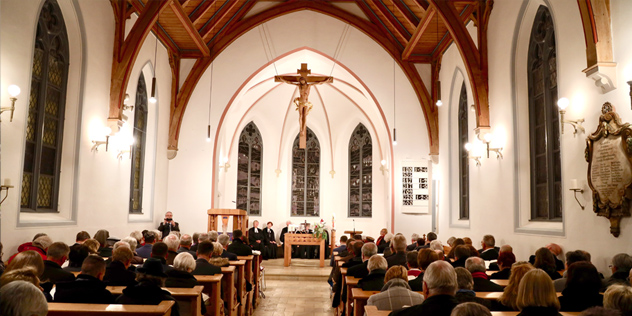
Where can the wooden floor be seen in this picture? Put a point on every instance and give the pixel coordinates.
(300, 289)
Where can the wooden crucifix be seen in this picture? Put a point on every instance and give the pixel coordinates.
(304, 80)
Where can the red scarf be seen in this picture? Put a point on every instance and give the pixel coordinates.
(481, 275)
(379, 239)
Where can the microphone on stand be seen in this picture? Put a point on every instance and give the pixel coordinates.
(354, 227)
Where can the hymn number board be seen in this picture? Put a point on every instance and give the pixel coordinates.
(415, 187)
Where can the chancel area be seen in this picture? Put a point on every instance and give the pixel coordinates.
(212, 156)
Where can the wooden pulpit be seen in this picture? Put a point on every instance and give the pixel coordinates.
(240, 219)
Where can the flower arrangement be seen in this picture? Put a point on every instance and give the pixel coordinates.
(319, 229)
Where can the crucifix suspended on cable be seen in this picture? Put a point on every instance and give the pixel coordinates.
(304, 80)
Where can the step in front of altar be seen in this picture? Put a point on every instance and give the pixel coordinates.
(301, 270)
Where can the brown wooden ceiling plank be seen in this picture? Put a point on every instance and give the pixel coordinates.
(375, 20)
(207, 30)
(158, 30)
(122, 67)
(202, 10)
(423, 4)
(394, 23)
(236, 18)
(421, 59)
(446, 40)
(418, 34)
(188, 26)
(410, 19)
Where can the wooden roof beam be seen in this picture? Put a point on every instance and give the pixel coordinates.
(422, 4)
(394, 23)
(419, 31)
(208, 28)
(201, 10)
(190, 29)
(410, 19)
(236, 18)
(158, 31)
(471, 58)
(125, 54)
(376, 21)
(446, 41)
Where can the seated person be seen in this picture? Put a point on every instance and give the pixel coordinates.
(582, 288)
(414, 244)
(545, 260)
(180, 275)
(56, 256)
(461, 253)
(374, 281)
(159, 251)
(470, 308)
(489, 251)
(505, 260)
(173, 242)
(476, 266)
(28, 274)
(223, 240)
(621, 266)
(384, 244)
(25, 259)
(361, 270)
(398, 245)
(341, 250)
(508, 300)
(413, 264)
(424, 257)
(493, 266)
(380, 242)
(40, 245)
(216, 256)
(185, 245)
(271, 245)
(238, 246)
(466, 293)
(148, 291)
(202, 264)
(88, 287)
(22, 298)
(133, 243)
(536, 295)
(556, 250)
(619, 297)
(102, 236)
(150, 239)
(76, 257)
(117, 274)
(395, 293)
(256, 238)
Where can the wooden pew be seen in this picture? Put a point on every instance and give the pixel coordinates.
(373, 311)
(240, 285)
(501, 282)
(496, 295)
(230, 292)
(256, 269)
(248, 305)
(350, 283)
(71, 309)
(211, 284)
(360, 298)
(184, 296)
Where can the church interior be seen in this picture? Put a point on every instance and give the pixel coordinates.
(458, 117)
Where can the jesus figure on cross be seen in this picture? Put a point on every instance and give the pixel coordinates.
(303, 106)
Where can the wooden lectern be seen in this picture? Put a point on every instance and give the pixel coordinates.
(240, 219)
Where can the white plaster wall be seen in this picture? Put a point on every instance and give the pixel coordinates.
(190, 173)
(497, 188)
(102, 186)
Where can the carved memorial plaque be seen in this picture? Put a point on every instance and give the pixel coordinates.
(609, 156)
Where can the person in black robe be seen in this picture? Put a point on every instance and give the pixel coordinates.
(257, 239)
(271, 245)
(284, 231)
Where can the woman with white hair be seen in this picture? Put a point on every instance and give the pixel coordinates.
(21, 298)
(180, 275)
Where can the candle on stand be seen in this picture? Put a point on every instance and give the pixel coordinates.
(574, 184)
(7, 182)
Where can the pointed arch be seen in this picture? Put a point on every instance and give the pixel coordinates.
(306, 177)
(360, 173)
(45, 120)
(249, 166)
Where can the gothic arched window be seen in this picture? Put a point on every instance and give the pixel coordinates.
(464, 160)
(360, 173)
(45, 121)
(138, 148)
(306, 177)
(544, 133)
(249, 164)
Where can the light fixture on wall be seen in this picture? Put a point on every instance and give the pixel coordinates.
(125, 142)
(394, 109)
(14, 91)
(487, 138)
(106, 131)
(470, 153)
(5, 187)
(439, 102)
(383, 167)
(577, 124)
(126, 106)
(575, 187)
(152, 99)
(225, 164)
(630, 84)
(210, 102)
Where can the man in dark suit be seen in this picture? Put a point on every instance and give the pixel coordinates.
(202, 264)
(398, 244)
(159, 252)
(185, 245)
(145, 250)
(374, 281)
(168, 225)
(340, 249)
(88, 287)
(238, 246)
(56, 256)
(361, 270)
(257, 239)
(223, 240)
(414, 239)
(461, 253)
(440, 286)
(488, 252)
(476, 266)
(429, 238)
(173, 242)
(117, 274)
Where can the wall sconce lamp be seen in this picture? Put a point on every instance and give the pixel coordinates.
(120, 154)
(14, 91)
(630, 84)
(96, 143)
(577, 124)
(498, 150)
(576, 188)
(383, 167)
(127, 107)
(469, 148)
(5, 187)
(225, 165)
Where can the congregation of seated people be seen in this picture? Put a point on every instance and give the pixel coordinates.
(44, 270)
(427, 277)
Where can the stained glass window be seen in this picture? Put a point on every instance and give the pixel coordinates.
(544, 132)
(306, 177)
(464, 162)
(44, 124)
(360, 173)
(138, 148)
(249, 164)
